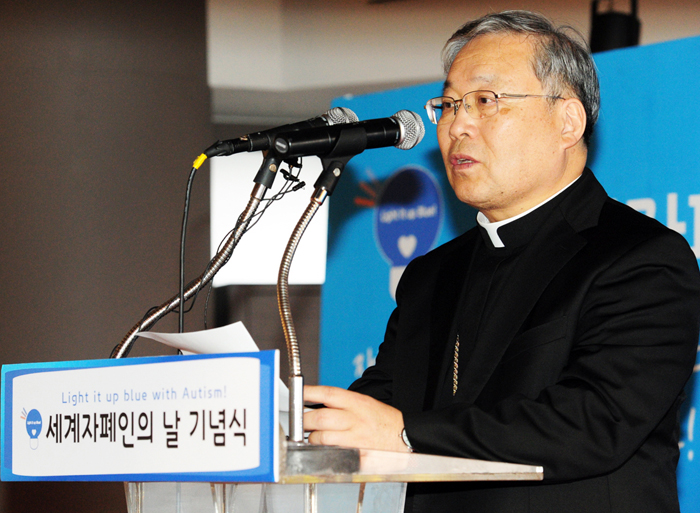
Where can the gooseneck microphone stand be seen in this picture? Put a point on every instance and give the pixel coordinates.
(301, 457)
(408, 131)
(351, 142)
(263, 181)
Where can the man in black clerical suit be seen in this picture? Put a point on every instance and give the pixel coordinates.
(558, 332)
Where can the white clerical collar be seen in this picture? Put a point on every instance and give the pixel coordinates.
(492, 228)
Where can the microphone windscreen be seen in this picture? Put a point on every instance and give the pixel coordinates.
(412, 129)
(340, 115)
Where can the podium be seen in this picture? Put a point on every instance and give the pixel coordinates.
(377, 486)
(199, 433)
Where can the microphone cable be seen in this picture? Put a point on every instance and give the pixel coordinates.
(292, 183)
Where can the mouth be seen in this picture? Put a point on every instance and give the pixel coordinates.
(461, 160)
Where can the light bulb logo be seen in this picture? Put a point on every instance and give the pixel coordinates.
(407, 218)
(33, 425)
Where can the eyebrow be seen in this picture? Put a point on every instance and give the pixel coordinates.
(445, 85)
(487, 79)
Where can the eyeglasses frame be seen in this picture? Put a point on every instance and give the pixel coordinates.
(431, 108)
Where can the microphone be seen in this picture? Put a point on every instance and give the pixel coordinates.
(404, 130)
(261, 141)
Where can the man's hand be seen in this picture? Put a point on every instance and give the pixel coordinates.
(352, 420)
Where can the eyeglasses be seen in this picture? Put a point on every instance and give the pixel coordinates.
(478, 104)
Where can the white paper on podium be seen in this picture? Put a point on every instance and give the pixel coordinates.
(233, 338)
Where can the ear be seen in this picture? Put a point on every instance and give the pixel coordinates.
(574, 122)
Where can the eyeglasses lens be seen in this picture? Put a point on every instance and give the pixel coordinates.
(478, 104)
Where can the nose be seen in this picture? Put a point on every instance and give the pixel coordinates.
(462, 124)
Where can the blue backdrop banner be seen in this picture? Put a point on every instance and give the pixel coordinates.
(393, 206)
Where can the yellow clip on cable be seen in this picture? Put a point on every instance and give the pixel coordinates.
(199, 161)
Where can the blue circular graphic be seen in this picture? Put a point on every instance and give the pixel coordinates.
(408, 215)
(34, 424)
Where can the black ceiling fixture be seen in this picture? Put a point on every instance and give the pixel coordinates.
(610, 30)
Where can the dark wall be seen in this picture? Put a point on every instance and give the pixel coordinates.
(103, 107)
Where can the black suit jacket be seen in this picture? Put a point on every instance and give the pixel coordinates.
(580, 368)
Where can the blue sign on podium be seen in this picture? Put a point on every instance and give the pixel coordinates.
(172, 418)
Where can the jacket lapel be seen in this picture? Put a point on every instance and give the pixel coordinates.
(421, 362)
(553, 246)
(442, 340)
(423, 365)
(536, 267)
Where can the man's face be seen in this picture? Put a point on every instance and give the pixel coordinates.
(510, 162)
